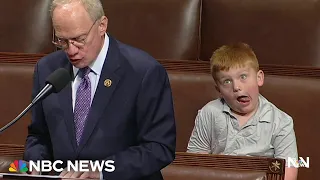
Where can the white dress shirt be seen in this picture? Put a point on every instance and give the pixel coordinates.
(94, 75)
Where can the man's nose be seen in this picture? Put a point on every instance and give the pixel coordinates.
(72, 49)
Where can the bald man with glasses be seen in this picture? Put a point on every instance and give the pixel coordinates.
(118, 106)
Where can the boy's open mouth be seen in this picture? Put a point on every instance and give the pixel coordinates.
(243, 99)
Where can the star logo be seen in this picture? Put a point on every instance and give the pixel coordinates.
(275, 166)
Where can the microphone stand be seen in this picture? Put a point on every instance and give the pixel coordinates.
(17, 118)
(55, 82)
(43, 93)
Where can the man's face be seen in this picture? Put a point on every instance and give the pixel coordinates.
(87, 36)
(239, 87)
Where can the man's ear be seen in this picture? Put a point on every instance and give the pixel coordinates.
(260, 78)
(103, 25)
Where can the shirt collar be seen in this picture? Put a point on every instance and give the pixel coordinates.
(97, 64)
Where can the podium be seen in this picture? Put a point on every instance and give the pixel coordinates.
(17, 176)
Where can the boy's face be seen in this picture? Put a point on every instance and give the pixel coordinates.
(239, 87)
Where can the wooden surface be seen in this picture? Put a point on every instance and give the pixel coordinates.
(182, 65)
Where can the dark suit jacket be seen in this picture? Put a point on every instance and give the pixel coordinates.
(131, 122)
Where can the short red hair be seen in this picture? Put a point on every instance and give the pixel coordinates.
(233, 55)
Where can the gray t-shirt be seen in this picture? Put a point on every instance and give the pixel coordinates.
(269, 132)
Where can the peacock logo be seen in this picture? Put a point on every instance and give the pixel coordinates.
(18, 166)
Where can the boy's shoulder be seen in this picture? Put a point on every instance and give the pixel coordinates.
(273, 113)
(212, 107)
(210, 112)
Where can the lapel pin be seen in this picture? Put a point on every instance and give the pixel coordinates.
(107, 83)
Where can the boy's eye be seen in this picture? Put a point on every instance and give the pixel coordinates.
(227, 81)
(243, 76)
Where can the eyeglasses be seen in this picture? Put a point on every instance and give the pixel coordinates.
(78, 41)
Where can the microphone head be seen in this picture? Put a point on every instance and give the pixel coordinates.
(59, 79)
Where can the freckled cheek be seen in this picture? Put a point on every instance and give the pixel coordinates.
(228, 95)
(226, 91)
(254, 90)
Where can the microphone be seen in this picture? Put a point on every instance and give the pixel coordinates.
(54, 84)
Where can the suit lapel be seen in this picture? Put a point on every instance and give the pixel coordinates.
(104, 91)
(65, 99)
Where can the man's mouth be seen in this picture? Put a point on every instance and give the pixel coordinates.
(74, 60)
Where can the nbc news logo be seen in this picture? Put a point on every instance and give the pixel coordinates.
(18, 166)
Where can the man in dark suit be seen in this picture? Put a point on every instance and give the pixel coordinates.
(118, 107)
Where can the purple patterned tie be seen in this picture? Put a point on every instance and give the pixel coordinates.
(83, 101)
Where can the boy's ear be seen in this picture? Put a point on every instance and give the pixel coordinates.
(216, 84)
(260, 78)
(217, 88)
